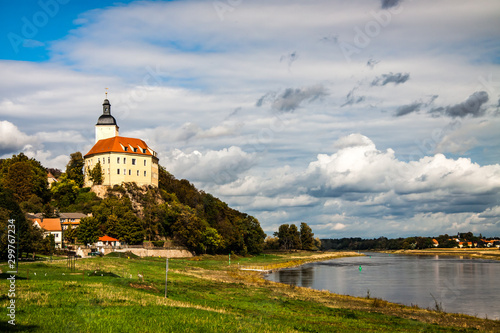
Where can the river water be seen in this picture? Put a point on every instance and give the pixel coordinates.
(455, 284)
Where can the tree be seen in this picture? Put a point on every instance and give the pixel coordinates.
(74, 168)
(212, 241)
(65, 191)
(28, 237)
(88, 230)
(306, 237)
(96, 174)
(29, 175)
(294, 237)
(19, 180)
(283, 235)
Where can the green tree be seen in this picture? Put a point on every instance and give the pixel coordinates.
(19, 180)
(64, 192)
(35, 180)
(96, 174)
(211, 240)
(295, 237)
(74, 168)
(28, 238)
(33, 205)
(88, 231)
(306, 237)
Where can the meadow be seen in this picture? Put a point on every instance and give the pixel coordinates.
(204, 294)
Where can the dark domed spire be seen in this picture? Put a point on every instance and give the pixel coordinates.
(106, 118)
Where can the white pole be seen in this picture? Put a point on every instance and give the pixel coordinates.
(166, 275)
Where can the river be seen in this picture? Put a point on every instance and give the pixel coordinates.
(455, 284)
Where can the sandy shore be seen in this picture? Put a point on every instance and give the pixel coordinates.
(492, 253)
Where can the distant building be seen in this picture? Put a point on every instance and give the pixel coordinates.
(51, 179)
(70, 220)
(122, 159)
(51, 226)
(435, 242)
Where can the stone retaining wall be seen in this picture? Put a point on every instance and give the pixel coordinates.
(166, 253)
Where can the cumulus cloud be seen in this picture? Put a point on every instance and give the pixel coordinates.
(291, 98)
(396, 78)
(12, 140)
(214, 166)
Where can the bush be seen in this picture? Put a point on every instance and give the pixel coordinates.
(158, 243)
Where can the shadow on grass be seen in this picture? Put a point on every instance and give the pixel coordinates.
(6, 327)
(7, 275)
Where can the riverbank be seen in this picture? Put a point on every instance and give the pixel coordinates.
(477, 253)
(205, 294)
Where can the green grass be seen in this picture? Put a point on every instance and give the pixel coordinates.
(204, 295)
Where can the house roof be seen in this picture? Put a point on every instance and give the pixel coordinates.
(107, 238)
(72, 215)
(49, 224)
(120, 144)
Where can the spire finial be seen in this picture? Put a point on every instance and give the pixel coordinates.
(106, 92)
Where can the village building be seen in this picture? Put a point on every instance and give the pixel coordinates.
(51, 226)
(122, 159)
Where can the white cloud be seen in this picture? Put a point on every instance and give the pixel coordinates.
(12, 139)
(219, 167)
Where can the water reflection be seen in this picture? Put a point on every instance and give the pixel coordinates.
(455, 284)
(302, 276)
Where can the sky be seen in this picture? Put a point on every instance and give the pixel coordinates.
(361, 118)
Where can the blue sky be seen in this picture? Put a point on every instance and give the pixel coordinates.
(363, 118)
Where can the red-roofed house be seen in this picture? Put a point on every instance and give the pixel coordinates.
(122, 159)
(107, 240)
(50, 227)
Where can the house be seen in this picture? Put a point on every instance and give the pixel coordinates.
(70, 220)
(107, 241)
(67, 220)
(51, 226)
(51, 179)
(122, 159)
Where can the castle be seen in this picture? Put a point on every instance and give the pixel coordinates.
(122, 159)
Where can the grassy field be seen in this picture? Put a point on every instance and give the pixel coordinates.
(205, 294)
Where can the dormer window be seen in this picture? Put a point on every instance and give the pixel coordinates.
(135, 150)
(144, 151)
(125, 148)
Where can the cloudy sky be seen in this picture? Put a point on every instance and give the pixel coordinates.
(362, 118)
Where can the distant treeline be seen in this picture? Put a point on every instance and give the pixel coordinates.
(383, 243)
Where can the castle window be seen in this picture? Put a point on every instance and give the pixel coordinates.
(125, 148)
(133, 161)
(124, 171)
(124, 160)
(137, 172)
(144, 173)
(109, 160)
(144, 162)
(135, 150)
(117, 171)
(98, 160)
(144, 151)
(118, 160)
(129, 172)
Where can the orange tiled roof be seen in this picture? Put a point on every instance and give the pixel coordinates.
(49, 224)
(107, 238)
(118, 144)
